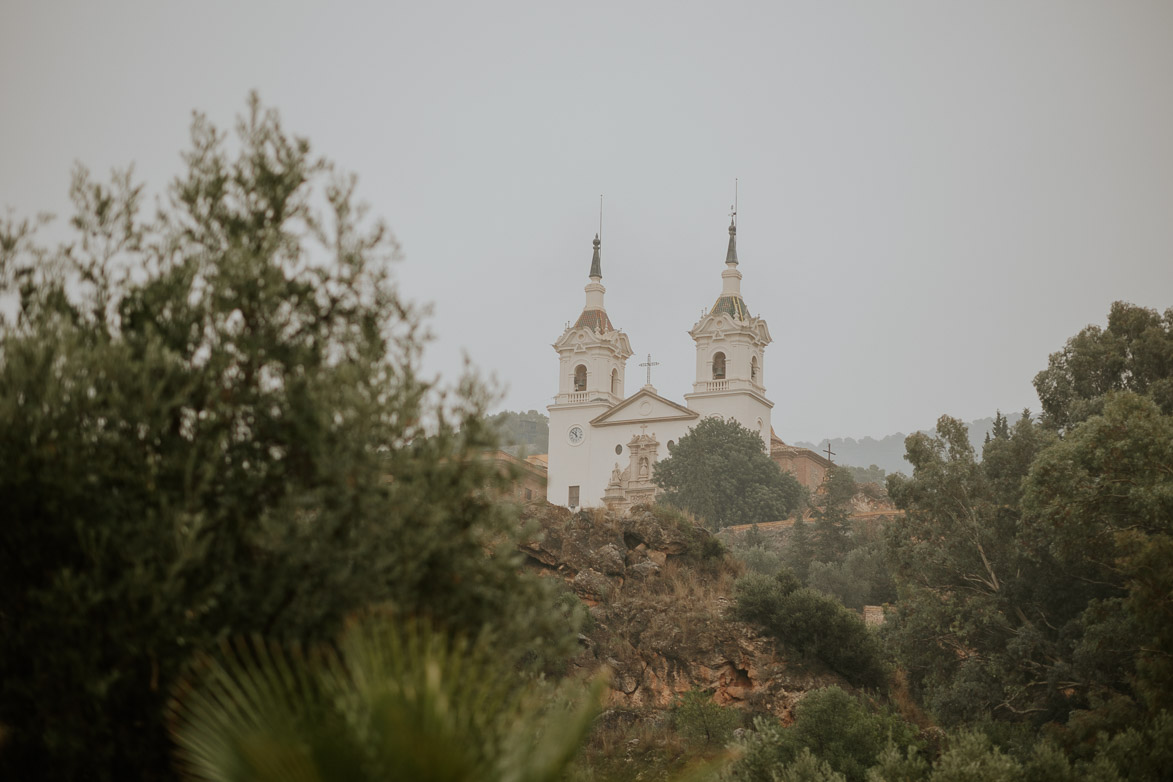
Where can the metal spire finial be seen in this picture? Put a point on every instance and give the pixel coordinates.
(731, 253)
(596, 262)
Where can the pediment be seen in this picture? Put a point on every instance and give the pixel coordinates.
(720, 325)
(644, 406)
(580, 340)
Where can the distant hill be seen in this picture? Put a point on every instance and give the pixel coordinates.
(527, 432)
(887, 453)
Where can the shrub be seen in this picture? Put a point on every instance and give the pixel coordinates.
(697, 717)
(843, 731)
(812, 624)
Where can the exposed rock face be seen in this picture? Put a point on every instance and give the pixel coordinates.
(659, 591)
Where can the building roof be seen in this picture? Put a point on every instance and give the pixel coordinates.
(733, 306)
(779, 448)
(594, 319)
(505, 461)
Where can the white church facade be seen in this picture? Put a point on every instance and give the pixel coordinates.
(604, 444)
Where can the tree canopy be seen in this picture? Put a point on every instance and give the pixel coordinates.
(719, 473)
(211, 424)
(1034, 583)
(528, 431)
(1134, 353)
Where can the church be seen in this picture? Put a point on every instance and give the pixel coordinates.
(604, 444)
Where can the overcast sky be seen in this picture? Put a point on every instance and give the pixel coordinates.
(934, 195)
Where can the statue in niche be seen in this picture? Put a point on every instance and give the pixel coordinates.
(643, 468)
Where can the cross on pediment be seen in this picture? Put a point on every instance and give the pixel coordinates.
(829, 452)
(649, 364)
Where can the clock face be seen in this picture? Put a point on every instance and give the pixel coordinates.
(575, 435)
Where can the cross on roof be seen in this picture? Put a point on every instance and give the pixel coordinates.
(829, 452)
(649, 364)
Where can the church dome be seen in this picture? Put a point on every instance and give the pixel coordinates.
(596, 320)
(731, 305)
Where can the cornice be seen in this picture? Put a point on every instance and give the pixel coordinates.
(582, 339)
(731, 392)
(721, 325)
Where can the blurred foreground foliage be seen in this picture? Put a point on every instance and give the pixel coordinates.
(393, 700)
(211, 425)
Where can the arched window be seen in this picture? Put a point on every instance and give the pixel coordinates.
(615, 382)
(753, 369)
(580, 377)
(718, 366)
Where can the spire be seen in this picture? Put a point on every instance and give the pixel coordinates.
(593, 315)
(730, 301)
(731, 253)
(596, 264)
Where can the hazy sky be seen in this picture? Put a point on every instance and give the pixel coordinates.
(934, 195)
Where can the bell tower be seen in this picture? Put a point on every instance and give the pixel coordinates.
(592, 363)
(730, 355)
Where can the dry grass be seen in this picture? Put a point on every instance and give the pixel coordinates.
(902, 700)
(683, 585)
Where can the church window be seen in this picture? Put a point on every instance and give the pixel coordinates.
(618, 449)
(671, 444)
(718, 366)
(580, 377)
(615, 382)
(753, 369)
(572, 499)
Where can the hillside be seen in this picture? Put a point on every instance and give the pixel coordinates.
(658, 589)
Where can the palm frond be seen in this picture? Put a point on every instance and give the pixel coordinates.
(391, 701)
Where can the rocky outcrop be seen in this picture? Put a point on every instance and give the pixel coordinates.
(659, 592)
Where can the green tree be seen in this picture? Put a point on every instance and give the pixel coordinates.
(838, 729)
(1134, 353)
(698, 717)
(972, 621)
(800, 550)
(831, 530)
(869, 474)
(861, 579)
(210, 425)
(1034, 584)
(719, 473)
(1100, 505)
(812, 624)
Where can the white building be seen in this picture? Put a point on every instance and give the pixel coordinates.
(604, 445)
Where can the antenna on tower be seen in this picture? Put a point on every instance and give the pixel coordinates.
(735, 199)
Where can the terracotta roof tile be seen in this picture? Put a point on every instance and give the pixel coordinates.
(594, 319)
